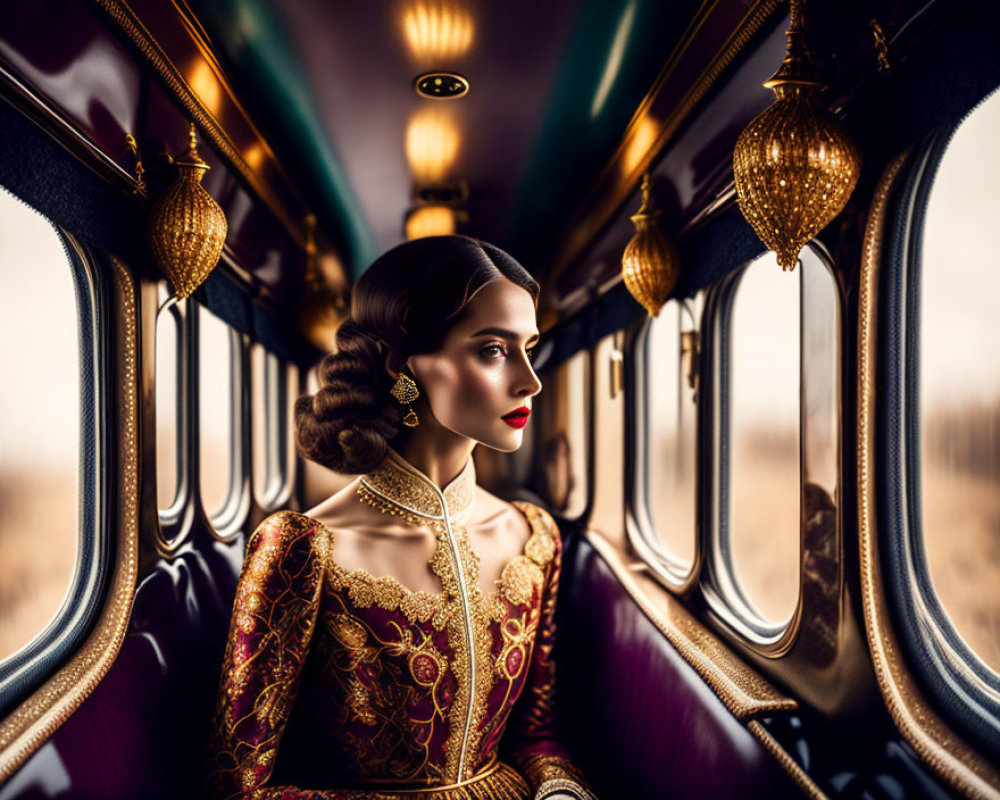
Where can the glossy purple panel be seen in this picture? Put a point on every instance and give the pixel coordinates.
(642, 722)
(143, 732)
(84, 71)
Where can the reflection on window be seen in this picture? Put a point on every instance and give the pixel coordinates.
(670, 372)
(561, 460)
(959, 380)
(39, 424)
(273, 386)
(168, 400)
(763, 437)
(218, 388)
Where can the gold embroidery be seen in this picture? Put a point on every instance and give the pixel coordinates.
(397, 489)
(540, 769)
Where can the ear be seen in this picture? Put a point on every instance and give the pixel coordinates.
(394, 363)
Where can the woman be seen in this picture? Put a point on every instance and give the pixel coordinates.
(396, 640)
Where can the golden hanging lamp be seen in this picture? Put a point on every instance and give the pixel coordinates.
(186, 228)
(650, 265)
(795, 165)
(320, 309)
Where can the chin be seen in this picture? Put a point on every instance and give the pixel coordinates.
(505, 445)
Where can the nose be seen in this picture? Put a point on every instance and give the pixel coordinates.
(526, 383)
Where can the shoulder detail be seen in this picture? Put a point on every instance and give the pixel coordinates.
(545, 541)
(286, 531)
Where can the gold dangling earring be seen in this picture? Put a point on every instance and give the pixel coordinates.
(405, 391)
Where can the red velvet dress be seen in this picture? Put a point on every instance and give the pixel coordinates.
(376, 691)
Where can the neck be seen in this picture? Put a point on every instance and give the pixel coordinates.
(440, 458)
(399, 488)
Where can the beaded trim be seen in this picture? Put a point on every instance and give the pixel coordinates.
(397, 488)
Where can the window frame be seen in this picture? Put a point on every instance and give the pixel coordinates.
(721, 587)
(279, 466)
(174, 521)
(23, 671)
(964, 687)
(670, 570)
(227, 523)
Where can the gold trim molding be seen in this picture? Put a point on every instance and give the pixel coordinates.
(799, 775)
(122, 15)
(947, 754)
(741, 689)
(31, 724)
(625, 169)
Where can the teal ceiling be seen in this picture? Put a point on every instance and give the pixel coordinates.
(554, 87)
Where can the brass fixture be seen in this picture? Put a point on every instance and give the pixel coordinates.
(140, 170)
(441, 85)
(650, 266)
(186, 228)
(794, 165)
(320, 308)
(881, 47)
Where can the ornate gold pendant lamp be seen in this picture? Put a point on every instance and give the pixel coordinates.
(795, 166)
(186, 228)
(650, 265)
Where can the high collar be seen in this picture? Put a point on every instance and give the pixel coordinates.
(407, 490)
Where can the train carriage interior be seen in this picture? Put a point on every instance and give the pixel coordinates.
(770, 424)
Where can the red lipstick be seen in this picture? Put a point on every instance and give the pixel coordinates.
(517, 418)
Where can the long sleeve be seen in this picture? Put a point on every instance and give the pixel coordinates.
(277, 603)
(532, 738)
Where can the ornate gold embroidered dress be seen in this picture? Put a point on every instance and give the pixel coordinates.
(384, 692)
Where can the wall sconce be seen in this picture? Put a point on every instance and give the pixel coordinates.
(794, 165)
(320, 308)
(186, 228)
(650, 265)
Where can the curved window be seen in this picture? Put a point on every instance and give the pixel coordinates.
(665, 435)
(960, 383)
(274, 385)
(938, 419)
(169, 408)
(775, 445)
(40, 433)
(220, 422)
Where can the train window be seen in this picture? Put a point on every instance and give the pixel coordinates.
(220, 439)
(762, 352)
(169, 408)
(665, 492)
(40, 424)
(274, 385)
(776, 451)
(959, 384)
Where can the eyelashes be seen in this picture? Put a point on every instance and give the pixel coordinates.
(496, 350)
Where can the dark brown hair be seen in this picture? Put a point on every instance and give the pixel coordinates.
(405, 303)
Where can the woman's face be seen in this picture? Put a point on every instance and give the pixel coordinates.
(482, 372)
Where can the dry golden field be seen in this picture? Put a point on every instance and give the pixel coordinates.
(38, 537)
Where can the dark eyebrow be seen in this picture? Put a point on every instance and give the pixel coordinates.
(503, 333)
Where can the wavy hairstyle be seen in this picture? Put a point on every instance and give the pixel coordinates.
(404, 304)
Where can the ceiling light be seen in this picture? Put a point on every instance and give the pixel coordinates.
(437, 29)
(430, 221)
(432, 142)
